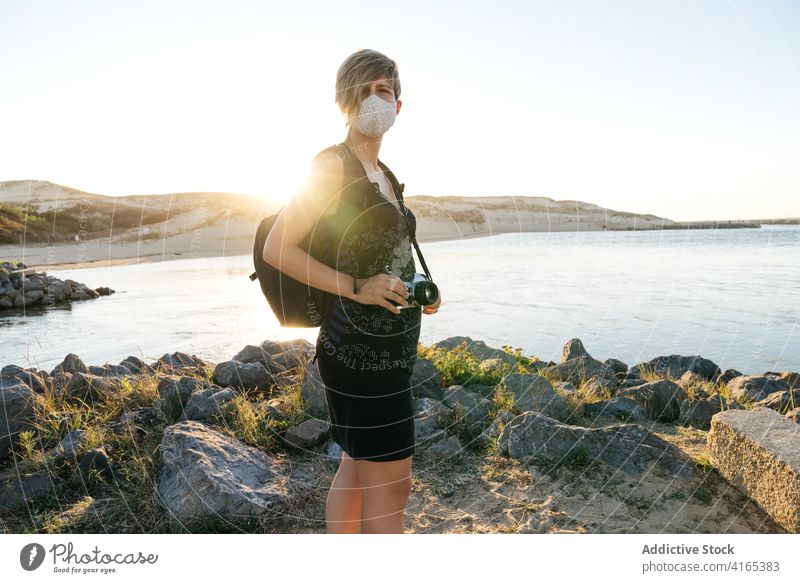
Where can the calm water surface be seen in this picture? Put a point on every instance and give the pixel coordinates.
(729, 295)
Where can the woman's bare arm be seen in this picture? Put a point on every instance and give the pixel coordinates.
(318, 195)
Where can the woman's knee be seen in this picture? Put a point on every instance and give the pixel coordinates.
(391, 478)
(402, 487)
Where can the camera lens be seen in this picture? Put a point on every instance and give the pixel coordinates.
(426, 293)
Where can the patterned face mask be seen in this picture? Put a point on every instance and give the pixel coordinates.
(375, 116)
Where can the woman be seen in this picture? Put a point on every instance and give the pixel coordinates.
(367, 345)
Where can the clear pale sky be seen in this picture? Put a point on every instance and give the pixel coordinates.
(688, 110)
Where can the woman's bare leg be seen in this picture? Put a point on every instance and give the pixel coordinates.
(385, 487)
(343, 505)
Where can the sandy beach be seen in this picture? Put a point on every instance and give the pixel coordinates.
(218, 242)
(194, 225)
(208, 242)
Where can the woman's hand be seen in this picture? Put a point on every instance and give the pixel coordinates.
(434, 307)
(379, 289)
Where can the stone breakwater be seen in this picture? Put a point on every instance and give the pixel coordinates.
(471, 401)
(23, 287)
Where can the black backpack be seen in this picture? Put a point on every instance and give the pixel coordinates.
(297, 304)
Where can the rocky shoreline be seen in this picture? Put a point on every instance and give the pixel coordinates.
(513, 442)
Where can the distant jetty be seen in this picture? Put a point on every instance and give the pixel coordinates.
(717, 225)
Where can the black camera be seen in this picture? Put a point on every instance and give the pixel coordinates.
(421, 290)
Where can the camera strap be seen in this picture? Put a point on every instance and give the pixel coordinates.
(398, 189)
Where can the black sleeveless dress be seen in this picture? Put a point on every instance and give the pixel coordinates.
(365, 353)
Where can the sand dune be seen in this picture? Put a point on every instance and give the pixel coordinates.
(206, 224)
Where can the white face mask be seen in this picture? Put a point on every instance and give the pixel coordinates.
(375, 116)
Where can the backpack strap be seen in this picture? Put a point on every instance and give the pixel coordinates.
(354, 171)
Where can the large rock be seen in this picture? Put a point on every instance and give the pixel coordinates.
(431, 420)
(596, 387)
(243, 375)
(111, 370)
(485, 391)
(204, 404)
(630, 382)
(698, 413)
(576, 370)
(288, 360)
(137, 422)
(137, 365)
(572, 349)
(758, 451)
(90, 387)
(533, 392)
(181, 363)
(495, 429)
(675, 366)
(333, 451)
(748, 388)
(728, 375)
(475, 408)
(630, 448)
(174, 392)
(308, 434)
(620, 408)
(791, 378)
(70, 448)
(17, 413)
(250, 354)
(781, 401)
(426, 380)
(619, 367)
(661, 399)
(721, 403)
(206, 474)
(72, 363)
(26, 488)
(445, 449)
(300, 348)
(277, 357)
(478, 349)
(436, 409)
(427, 430)
(312, 390)
(36, 380)
(98, 459)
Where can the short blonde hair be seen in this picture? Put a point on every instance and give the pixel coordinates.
(360, 69)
